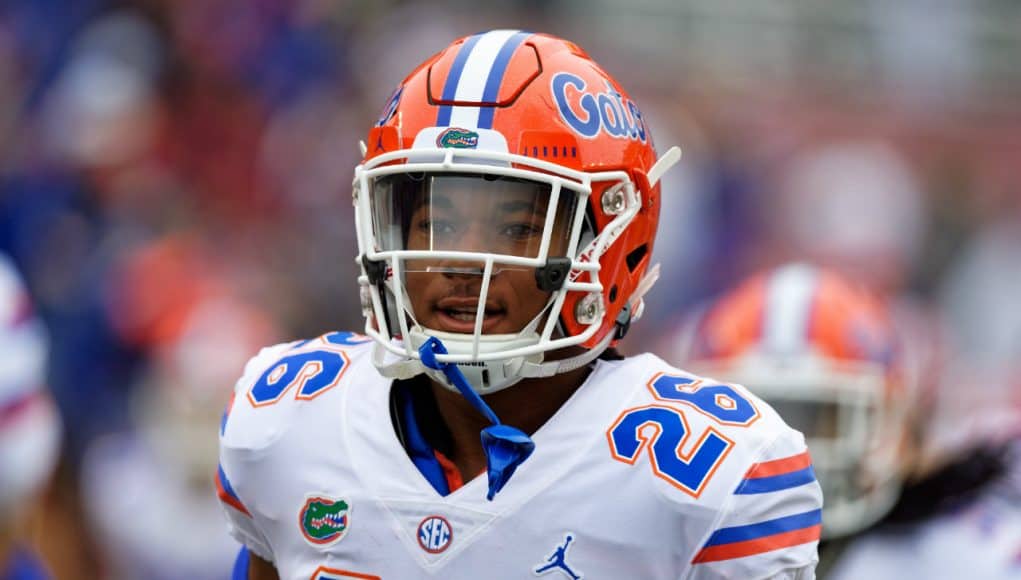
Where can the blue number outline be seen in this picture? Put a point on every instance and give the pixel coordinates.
(685, 389)
(680, 463)
(309, 370)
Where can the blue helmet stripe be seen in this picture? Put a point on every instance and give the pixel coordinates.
(454, 77)
(492, 90)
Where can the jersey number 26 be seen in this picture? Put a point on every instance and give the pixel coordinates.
(662, 430)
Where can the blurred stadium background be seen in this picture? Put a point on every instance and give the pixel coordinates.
(175, 181)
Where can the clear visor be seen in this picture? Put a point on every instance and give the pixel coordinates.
(480, 214)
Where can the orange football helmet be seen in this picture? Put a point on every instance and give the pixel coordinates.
(824, 353)
(509, 115)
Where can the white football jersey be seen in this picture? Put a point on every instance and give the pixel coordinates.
(646, 472)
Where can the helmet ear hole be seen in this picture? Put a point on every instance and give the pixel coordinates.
(613, 293)
(634, 257)
(588, 229)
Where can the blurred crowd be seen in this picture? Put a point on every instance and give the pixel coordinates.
(174, 193)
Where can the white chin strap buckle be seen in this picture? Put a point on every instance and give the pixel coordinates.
(485, 377)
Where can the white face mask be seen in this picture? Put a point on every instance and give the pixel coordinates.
(466, 240)
(482, 217)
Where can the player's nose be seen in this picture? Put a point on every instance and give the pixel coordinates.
(472, 239)
(465, 275)
(476, 238)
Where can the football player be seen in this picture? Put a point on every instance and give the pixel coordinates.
(146, 490)
(824, 353)
(29, 425)
(484, 425)
(836, 363)
(959, 519)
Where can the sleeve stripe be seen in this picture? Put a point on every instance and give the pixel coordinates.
(764, 529)
(758, 546)
(226, 493)
(779, 466)
(776, 482)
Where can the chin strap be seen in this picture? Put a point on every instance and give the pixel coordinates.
(531, 370)
(505, 447)
(404, 369)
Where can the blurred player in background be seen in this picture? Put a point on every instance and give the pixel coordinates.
(146, 490)
(29, 427)
(506, 209)
(961, 516)
(828, 355)
(824, 353)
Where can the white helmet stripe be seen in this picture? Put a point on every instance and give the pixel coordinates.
(788, 308)
(474, 75)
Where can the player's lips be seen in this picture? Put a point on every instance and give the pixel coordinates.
(455, 314)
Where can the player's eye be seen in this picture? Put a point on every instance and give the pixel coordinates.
(520, 231)
(437, 227)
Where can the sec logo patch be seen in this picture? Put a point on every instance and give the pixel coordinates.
(435, 534)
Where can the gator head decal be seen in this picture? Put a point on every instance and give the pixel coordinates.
(324, 520)
(458, 139)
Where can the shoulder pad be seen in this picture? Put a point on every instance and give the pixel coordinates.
(699, 435)
(263, 406)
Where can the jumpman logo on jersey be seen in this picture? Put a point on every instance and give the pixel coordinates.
(558, 560)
